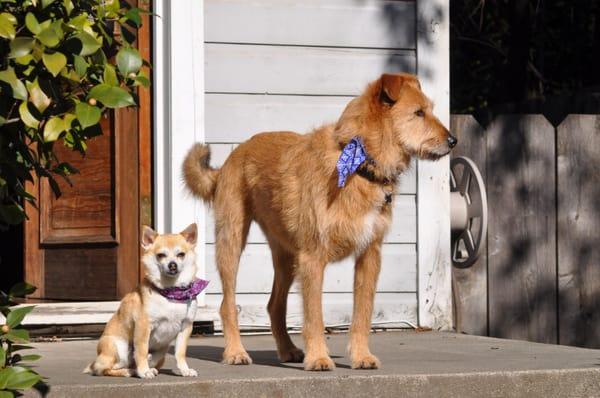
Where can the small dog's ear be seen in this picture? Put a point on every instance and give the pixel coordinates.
(391, 85)
(148, 236)
(190, 234)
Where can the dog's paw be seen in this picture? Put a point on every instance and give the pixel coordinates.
(187, 372)
(295, 355)
(148, 373)
(239, 358)
(323, 363)
(368, 361)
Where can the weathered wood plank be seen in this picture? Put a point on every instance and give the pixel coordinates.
(298, 70)
(470, 285)
(337, 308)
(579, 230)
(374, 24)
(403, 229)
(521, 234)
(255, 275)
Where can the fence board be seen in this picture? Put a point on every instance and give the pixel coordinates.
(521, 235)
(578, 230)
(375, 23)
(470, 284)
(298, 70)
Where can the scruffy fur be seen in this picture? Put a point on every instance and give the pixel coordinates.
(287, 183)
(138, 335)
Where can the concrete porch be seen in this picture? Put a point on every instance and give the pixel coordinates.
(425, 364)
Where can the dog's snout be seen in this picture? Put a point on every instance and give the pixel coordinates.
(172, 266)
(452, 141)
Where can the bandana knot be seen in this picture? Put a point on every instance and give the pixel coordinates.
(353, 155)
(183, 294)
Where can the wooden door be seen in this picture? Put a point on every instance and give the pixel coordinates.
(85, 244)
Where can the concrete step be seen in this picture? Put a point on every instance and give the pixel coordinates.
(426, 364)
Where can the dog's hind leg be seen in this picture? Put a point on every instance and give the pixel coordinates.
(283, 263)
(232, 224)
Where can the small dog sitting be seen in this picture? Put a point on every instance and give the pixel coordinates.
(161, 310)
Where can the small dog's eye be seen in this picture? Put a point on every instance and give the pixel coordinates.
(420, 113)
(181, 255)
(161, 256)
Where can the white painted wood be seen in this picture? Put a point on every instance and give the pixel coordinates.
(83, 313)
(403, 229)
(233, 68)
(255, 275)
(179, 104)
(434, 272)
(337, 308)
(345, 23)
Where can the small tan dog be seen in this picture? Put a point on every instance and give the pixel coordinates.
(318, 197)
(161, 310)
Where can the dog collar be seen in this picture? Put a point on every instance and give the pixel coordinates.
(355, 159)
(183, 294)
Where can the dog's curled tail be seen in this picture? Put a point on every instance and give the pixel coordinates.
(200, 178)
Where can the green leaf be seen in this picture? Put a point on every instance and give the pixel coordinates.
(54, 62)
(19, 347)
(37, 96)
(68, 4)
(129, 60)
(22, 380)
(16, 316)
(21, 46)
(54, 126)
(142, 80)
(12, 214)
(46, 3)
(7, 25)
(87, 115)
(111, 97)
(17, 336)
(89, 44)
(48, 37)
(22, 289)
(4, 375)
(2, 357)
(30, 358)
(133, 15)
(18, 88)
(27, 117)
(32, 23)
(110, 75)
(7, 394)
(81, 65)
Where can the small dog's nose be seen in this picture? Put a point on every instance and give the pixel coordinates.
(452, 141)
(172, 266)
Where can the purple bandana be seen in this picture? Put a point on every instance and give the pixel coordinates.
(183, 294)
(353, 155)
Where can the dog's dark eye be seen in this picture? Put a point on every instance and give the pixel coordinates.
(420, 113)
(161, 256)
(181, 255)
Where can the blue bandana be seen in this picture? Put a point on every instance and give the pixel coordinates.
(353, 155)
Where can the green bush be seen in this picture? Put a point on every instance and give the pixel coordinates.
(62, 67)
(14, 374)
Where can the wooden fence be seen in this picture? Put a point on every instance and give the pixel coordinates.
(538, 278)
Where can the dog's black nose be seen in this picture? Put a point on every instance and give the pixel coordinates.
(172, 266)
(452, 141)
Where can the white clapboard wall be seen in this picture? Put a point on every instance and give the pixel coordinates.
(294, 65)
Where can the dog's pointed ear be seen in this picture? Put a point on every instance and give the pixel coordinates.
(148, 236)
(391, 86)
(190, 234)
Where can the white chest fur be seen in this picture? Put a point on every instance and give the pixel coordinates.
(167, 319)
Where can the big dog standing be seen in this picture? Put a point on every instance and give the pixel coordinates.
(318, 197)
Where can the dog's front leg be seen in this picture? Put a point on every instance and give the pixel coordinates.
(141, 339)
(366, 273)
(310, 271)
(181, 344)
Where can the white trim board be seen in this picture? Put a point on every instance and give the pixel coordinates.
(433, 191)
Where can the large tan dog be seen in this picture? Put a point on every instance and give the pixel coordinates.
(288, 184)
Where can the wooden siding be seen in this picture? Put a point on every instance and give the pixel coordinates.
(285, 65)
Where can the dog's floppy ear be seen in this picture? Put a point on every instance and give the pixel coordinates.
(190, 234)
(148, 236)
(391, 85)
